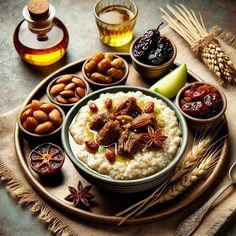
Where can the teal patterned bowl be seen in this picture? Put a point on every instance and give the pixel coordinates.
(106, 182)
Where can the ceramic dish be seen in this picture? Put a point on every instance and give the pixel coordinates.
(151, 71)
(105, 182)
(97, 85)
(202, 123)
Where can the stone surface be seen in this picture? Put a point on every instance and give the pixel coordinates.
(17, 78)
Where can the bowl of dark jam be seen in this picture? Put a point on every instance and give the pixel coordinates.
(153, 54)
(202, 104)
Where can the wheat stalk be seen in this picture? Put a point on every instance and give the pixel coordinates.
(203, 43)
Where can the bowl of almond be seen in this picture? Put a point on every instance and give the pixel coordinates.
(66, 90)
(40, 120)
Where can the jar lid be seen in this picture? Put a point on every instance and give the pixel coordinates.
(38, 9)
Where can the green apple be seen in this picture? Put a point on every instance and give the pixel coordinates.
(171, 83)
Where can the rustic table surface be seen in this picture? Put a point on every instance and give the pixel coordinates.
(17, 78)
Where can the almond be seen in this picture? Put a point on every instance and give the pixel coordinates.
(27, 107)
(60, 99)
(35, 104)
(70, 86)
(80, 92)
(78, 82)
(31, 123)
(26, 114)
(73, 100)
(47, 107)
(44, 128)
(64, 79)
(40, 116)
(55, 117)
(67, 93)
(57, 88)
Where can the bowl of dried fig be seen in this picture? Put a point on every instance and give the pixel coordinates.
(66, 90)
(105, 70)
(39, 121)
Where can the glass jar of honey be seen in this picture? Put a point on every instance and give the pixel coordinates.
(115, 20)
(41, 39)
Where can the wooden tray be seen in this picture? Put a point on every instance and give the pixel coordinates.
(54, 190)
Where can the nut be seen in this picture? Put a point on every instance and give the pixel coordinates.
(108, 103)
(93, 107)
(67, 93)
(70, 86)
(40, 116)
(55, 117)
(80, 92)
(110, 155)
(57, 88)
(31, 123)
(26, 114)
(73, 100)
(149, 108)
(64, 79)
(35, 104)
(78, 82)
(60, 99)
(44, 128)
(91, 145)
(47, 107)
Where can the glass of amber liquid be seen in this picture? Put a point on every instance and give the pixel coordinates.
(115, 20)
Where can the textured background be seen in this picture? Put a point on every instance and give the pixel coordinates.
(17, 78)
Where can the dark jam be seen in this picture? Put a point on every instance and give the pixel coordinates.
(153, 49)
(201, 101)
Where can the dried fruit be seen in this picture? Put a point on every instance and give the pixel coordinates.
(91, 145)
(152, 49)
(46, 159)
(110, 155)
(149, 108)
(108, 103)
(81, 195)
(93, 107)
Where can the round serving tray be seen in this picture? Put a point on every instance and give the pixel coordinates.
(106, 204)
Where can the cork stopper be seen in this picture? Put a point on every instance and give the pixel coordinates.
(38, 9)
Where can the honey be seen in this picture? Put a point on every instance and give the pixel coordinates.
(41, 39)
(115, 23)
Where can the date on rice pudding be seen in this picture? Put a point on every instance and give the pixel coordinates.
(126, 135)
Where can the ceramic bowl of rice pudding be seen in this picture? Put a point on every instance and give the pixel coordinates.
(124, 139)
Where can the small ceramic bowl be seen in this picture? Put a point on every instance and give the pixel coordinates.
(97, 85)
(200, 123)
(104, 181)
(152, 71)
(34, 138)
(82, 85)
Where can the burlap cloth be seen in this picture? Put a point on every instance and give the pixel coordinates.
(16, 183)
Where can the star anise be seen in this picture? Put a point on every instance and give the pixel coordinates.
(81, 195)
(153, 138)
